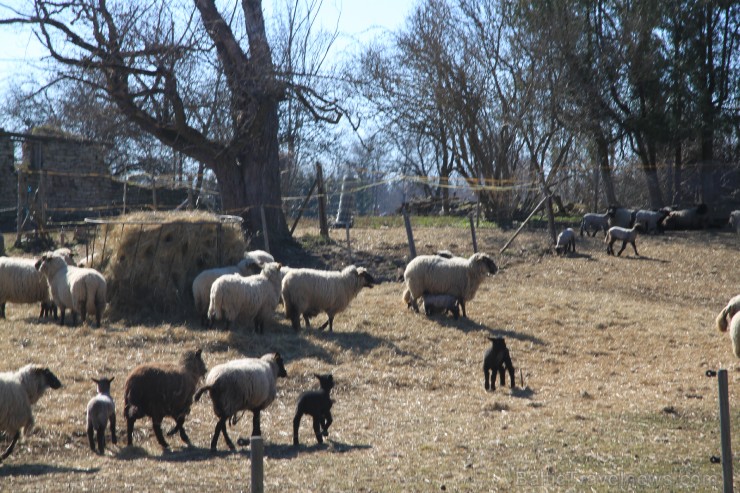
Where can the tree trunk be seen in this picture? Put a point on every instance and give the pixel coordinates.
(602, 157)
(677, 172)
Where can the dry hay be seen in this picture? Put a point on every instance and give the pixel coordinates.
(151, 259)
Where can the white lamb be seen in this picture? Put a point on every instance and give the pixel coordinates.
(594, 222)
(626, 235)
(239, 385)
(101, 409)
(308, 292)
(203, 282)
(456, 276)
(566, 242)
(729, 311)
(20, 282)
(254, 297)
(80, 289)
(18, 392)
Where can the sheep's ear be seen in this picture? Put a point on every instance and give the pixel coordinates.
(111, 379)
(198, 353)
(95, 380)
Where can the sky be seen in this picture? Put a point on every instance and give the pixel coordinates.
(357, 20)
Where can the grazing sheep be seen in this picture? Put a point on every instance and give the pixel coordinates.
(593, 222)
(735, 334)
(652, 220)
(566, 242)
(734, 221)
(621, 216)
(78, 288)
(18, 392)
(458, 277)
(204, 281)
(254, 297)
(317, 404)
(497, 359)
(160, 390)
(626, 235)
(696, 217)
(729, 311)
(100, 409)
(20, 282)
(441, 303)
(309, 292)
(242, 384)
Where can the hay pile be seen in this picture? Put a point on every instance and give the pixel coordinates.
(150, 259)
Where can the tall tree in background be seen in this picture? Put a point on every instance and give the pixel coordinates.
(201, 80)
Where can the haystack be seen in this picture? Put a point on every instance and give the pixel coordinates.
(150, 259)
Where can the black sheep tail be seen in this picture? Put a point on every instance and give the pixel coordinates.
(200, 392)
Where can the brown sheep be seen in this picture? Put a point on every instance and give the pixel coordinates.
(160, 390)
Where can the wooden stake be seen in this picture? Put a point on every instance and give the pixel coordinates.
(256, 457)
(409, 233)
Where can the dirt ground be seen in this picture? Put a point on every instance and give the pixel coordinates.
(610, 356)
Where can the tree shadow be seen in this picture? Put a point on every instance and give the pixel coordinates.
(466, 325)
(12, 470)
(517, 336)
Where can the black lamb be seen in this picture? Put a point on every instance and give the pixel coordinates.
(317, 404)
(497, 359)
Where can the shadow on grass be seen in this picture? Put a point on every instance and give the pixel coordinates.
(289, 451)
(10, 470)
(466, 325)
(643, 258)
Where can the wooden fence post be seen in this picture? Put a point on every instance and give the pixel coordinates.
(724, 428)
(323, 224)
(409, 232)
(256, 456)
(472, 233)
(523, 224)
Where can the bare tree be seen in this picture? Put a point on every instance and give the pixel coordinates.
(199, 79)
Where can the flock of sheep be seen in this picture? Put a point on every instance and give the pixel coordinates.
(251, 291)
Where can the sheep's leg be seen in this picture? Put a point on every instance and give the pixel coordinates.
(10, 448)
(487, 383)
(2, 309)
(180, 426)
(296, 425)
(502, 375)
(329, 323)
(157, 426)
(228, 441)
(327, 423)
(317, 429)
(624, 244)
(634, 248)
(91, 436)
(462, 305)
(61, 317)
(214, 441)
(307, 319)
(101, 439)
(129, 428)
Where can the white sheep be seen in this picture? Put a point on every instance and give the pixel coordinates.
(20, 282)
(457, 276)
(734, 221)
(308, 292)
(621, 216)
(696, 217)
(652, 220)
(203, 282)
(729, 311)
(735, 334)
(80, 289)
(101, 409)
(259, 257)
(254, 297)
(566, 242)
(242, 384)
(594, 222)
(18, 392)
(626, 235)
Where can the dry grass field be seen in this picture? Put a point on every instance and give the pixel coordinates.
(612, 353)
